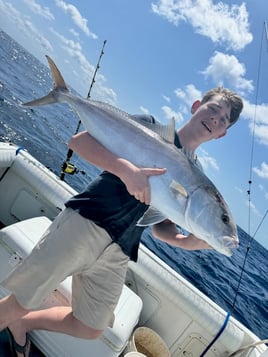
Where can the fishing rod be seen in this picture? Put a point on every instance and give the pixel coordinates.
(67, 167)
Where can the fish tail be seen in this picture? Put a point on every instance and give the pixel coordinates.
(59, 85)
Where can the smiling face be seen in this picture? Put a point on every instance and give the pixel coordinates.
(211, 119)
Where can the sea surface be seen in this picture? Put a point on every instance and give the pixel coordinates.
(45, 131)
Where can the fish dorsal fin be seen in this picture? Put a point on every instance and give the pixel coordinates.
(177, 188)
(167, 132)
(151, 216)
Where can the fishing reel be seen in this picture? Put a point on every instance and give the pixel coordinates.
(69, 168)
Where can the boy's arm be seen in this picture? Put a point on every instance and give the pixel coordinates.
(167, 231)
(135, 178)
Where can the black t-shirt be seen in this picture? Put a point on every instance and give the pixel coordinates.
(107, 203)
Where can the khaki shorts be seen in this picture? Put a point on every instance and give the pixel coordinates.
(73, 246)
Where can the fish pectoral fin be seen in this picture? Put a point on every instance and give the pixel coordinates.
(151, 216)
(177, 188)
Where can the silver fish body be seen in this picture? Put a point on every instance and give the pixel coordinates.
(184, 194)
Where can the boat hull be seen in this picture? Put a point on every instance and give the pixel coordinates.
(185, 318)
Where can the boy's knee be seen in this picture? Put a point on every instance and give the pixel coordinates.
(94, 334)
(86, 332)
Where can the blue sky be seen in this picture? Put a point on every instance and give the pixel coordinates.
(160, 56)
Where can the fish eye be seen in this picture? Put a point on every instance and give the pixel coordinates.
(225, 218)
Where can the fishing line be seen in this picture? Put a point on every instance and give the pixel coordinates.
(245, 258)
(250, 170)
(249, 207)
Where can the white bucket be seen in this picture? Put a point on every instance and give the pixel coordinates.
(134, 354)
(147, 342)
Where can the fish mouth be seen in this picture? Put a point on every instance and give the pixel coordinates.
(206, 126)
(231, 242)
(228, 243)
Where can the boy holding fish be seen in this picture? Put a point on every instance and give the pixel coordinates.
(102, 234)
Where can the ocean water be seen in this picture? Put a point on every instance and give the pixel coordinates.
(45, 131)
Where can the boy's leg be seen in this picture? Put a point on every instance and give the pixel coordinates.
(59, 319)
(96, 289)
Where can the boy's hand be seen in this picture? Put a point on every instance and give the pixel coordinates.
(137, 182)
(196, 243)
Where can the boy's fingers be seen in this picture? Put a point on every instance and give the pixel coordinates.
(152, 172)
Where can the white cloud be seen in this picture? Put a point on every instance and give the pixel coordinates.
(144, 110)
(253, 208)
(258, 120)
(227, 70)
(188, 95)
(74, 33)
(239, 190)
(39, 10)
(261, 133)
(72, 46)
(24, 25)
(76, 17)
(261, 187)
(222, 23)
(74, 49)
(170, 113)
(32, 31)
(85, 69)
(207, 161)
(259, 112)
(263, 190)
(262, 171)
(167, 99)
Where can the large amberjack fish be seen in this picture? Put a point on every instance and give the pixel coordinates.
(184, 194)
